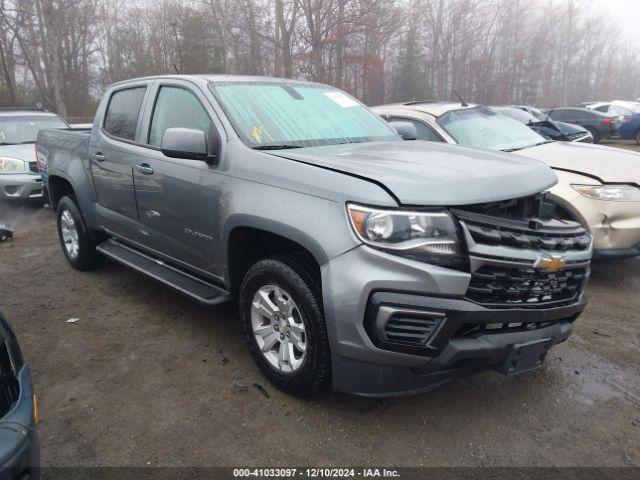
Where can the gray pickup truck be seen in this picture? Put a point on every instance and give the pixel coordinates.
(359, 261)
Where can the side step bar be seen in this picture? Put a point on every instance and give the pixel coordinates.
(201, 290)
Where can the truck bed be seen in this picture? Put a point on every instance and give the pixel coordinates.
(59, 146)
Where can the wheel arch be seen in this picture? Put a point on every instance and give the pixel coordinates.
(58, 187)
(247, 243)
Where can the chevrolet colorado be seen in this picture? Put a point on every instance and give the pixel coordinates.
(359, 261)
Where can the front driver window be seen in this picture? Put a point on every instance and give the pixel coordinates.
(424, 132)
(177, 107)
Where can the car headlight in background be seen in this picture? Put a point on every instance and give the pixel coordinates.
(428, 236)
(619, 193)
(12, 165)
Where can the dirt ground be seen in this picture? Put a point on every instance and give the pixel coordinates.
(146, 377)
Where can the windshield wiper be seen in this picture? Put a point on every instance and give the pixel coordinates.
(282, 146)
(515, 149)
(7, 143)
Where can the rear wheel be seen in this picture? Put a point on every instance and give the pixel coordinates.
(280, 307)
(594, 134)
(75, 240)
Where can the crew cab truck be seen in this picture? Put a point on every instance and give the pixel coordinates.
(359, 261)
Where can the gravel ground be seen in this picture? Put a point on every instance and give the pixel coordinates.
(146, 377)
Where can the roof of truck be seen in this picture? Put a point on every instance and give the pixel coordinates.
(216, 78)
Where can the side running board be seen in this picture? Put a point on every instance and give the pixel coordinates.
(199, 289)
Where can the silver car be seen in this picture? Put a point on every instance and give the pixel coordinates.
(19, 174)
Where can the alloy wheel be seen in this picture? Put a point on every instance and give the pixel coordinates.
(278, 328)
(69, 234)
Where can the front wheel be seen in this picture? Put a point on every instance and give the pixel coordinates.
(280, 307)
(75, 240)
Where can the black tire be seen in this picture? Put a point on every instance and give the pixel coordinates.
(638, 137)
(594, 134)
(86, 258)
(294, 275)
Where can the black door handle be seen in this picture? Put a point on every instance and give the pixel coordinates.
(143, 168)
(98, 157)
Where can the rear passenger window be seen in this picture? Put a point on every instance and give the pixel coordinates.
(121, 119)
(177, 107)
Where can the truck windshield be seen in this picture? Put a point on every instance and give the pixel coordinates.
(270, 115)
(482, 127)
(24, 128)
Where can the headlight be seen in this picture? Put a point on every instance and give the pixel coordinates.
(12, 165)
(619, 193)
(429, 236)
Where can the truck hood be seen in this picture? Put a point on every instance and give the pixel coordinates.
(606, 164)
(23, 151)
(429, 173)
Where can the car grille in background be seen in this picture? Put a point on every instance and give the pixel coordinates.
(9, 386)
(493, 285)
(410, 330)
(33, 167)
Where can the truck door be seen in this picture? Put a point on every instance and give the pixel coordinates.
(112, 152)
(178, 199)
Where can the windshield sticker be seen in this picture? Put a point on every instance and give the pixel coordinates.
(260, 133)
(341, 99)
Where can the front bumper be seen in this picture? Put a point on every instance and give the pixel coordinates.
(358, 282)
(615, 226)
(461, 345)
(21, 186)
(19, 446)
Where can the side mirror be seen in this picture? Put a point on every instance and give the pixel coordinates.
(406, 130)
(184, 143)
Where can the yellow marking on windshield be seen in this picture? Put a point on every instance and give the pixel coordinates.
(257, 133)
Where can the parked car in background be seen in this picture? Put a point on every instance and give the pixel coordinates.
(19, 443)
(19, 175)
(617, 108)
(630, 130)
(599, 124)
(597, 185)
(560, 131)
(630, 114)
(360, 261)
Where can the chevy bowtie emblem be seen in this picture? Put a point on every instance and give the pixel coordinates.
(551, 264)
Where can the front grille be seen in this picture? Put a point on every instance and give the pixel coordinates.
(500, 286)
(508, 239)
(410, 330)
(554, 235)
(470, 329)
(9, 386)
(33, 167)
